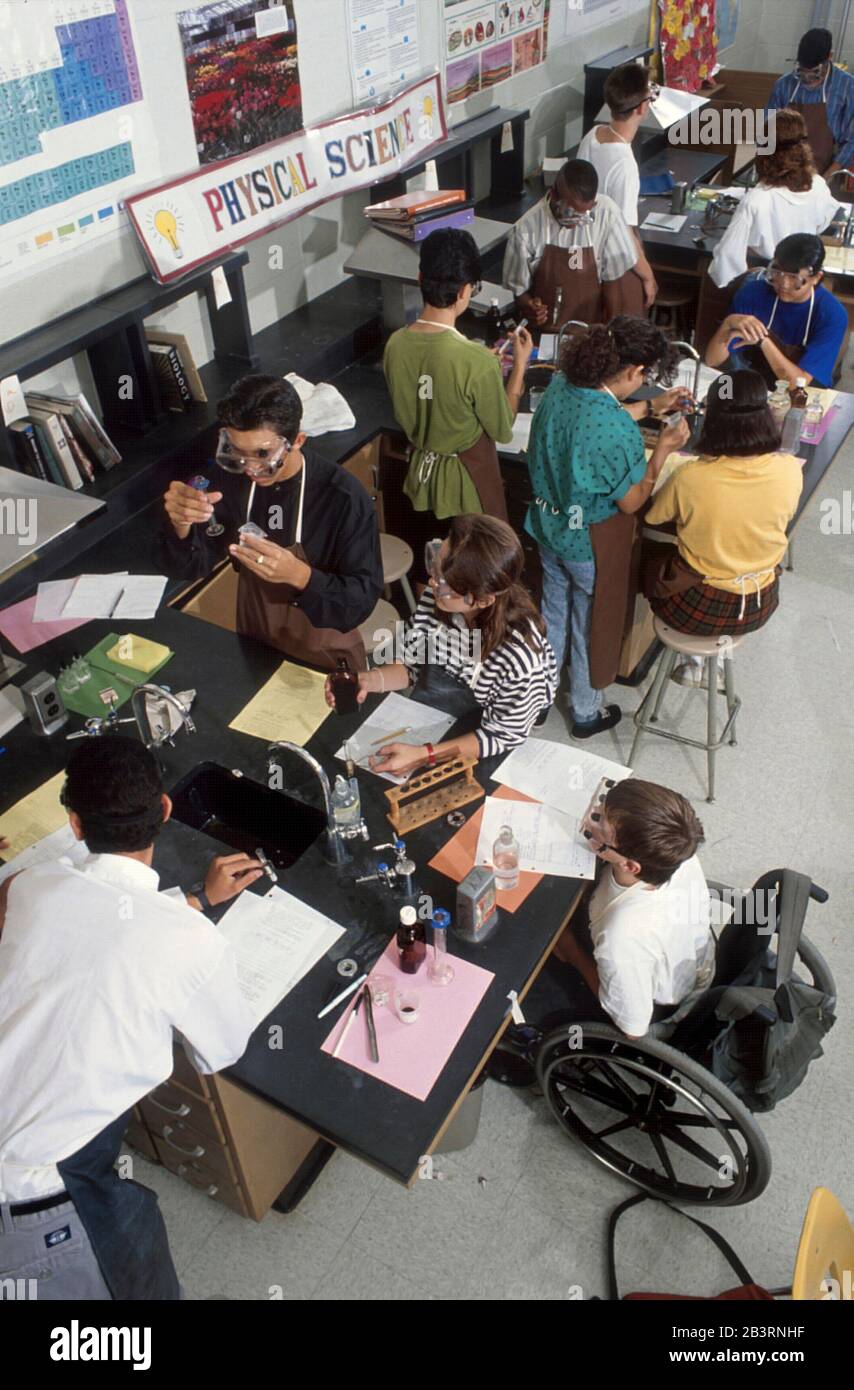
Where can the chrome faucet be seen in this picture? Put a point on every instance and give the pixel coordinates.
(336, 852)
(162, 733)
(691, 351)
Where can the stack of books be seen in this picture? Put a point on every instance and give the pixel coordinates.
(176, 372)
(61, 440)
(413, 216)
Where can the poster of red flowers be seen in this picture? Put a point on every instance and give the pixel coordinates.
(689, 45)
(242, 74)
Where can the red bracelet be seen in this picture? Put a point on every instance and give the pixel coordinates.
(431, 755)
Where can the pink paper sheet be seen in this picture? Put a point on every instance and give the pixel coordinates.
(17, 626)
(412, 1055)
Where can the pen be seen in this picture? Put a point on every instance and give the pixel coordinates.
(116, 604)
(386, 738)
(369, 1019)
(347, 1026)
(354, 984)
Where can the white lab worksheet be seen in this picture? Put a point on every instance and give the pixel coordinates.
(60, 844)
(562, 776)
(549, 841)
(95, 595)
(141, 596)
(396, 720)
(277, 940)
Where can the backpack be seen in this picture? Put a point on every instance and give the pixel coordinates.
(774, 1020)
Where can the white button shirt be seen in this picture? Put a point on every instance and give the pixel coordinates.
(96, 969)
(763, 218)
(614, 248)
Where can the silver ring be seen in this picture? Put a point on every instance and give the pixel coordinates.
(260, 559)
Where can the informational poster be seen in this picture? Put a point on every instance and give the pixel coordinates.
(484, 44)
(726, 22)
(242, 74)
(189, 221)
(384, 46)
(582, 16)
(75, 132)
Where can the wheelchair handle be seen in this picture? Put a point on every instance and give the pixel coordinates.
(818, 895)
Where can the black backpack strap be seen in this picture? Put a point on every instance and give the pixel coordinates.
(794, 901)
(715, 1236)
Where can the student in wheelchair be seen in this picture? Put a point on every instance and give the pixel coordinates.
(647, 940)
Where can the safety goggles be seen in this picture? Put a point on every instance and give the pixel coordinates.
(437, 583)
(569, 216)
(265, 462)
(811, 77)
(787, 280)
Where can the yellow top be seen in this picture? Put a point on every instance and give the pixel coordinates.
(731, 515)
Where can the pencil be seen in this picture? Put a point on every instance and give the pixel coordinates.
(386, 738)
(347, 1026)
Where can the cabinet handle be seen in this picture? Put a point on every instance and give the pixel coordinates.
(181, 1111)
(197, 1152)
(211, 1191)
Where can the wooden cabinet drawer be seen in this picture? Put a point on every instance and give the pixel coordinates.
(214, 1185)
(177, 1143)
(171, 1104)
(138, 1137)
(186, 1075)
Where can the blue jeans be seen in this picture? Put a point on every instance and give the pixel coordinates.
(568, 599)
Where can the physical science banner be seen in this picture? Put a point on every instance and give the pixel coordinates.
(198, 217)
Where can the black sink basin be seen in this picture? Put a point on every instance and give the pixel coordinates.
(245, 814)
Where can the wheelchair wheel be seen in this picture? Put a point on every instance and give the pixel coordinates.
(653, 1116)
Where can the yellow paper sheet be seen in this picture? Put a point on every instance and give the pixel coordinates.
(33, 817)
(672, 462)
(291, 706)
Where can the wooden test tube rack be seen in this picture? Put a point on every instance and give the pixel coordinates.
(414, 804)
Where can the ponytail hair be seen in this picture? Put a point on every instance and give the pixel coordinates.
(598, 355)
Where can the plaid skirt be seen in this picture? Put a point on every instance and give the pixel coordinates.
(704, 611)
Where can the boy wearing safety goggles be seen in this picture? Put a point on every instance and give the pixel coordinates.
(824, 95)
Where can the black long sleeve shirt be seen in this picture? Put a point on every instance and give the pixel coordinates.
(340, 537)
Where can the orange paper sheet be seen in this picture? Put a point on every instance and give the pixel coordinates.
(456, 858)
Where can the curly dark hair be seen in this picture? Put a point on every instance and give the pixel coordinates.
(738, 423)
(114, 785)
(449, 260)
(485, 557)
(257, 400)
(602, 352)
(791, 165)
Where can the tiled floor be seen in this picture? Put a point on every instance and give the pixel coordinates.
(521, 1214)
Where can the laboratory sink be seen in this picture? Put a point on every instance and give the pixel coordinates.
(245, 814)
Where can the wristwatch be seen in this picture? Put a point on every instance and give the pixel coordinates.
(649, 410)
(198, 891)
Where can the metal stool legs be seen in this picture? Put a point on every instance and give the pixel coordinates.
(647, 713)
(407, 592)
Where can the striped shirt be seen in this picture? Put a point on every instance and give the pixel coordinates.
(512, 686)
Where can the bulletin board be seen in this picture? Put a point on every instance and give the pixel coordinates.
(484, 44)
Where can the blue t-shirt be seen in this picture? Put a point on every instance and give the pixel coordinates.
(584, 454)
(827, 330)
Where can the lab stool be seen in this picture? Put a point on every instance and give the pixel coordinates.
(398, 559)
(671, 311)
(379, 627)
(711, 649)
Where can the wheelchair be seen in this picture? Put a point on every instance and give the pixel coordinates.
(650, 1109)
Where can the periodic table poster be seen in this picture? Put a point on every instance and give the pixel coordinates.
(485, 43)
(75, 132)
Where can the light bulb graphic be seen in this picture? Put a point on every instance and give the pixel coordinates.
(165, 224)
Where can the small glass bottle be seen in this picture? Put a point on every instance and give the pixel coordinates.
(440, 971)
(794, 421)
(778, 403)
(505, 860)
(493, 324)
(411, 941)
(345, 687)
(346, 806)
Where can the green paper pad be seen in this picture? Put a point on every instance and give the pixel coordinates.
(106, 675)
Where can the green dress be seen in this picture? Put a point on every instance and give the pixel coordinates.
(446, 393)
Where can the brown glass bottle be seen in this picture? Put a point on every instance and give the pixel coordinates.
(411, 941)
(345, 688)
(798, 395)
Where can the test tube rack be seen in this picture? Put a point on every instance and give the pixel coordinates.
(415, 804)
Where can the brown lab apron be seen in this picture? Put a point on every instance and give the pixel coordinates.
(819, 134)
(755, 357)
(616, 551)
(582, 291)
(272, 613)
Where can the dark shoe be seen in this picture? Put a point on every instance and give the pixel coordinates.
(608, 719)
(542, 717)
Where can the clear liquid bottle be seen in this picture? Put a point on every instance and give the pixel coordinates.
(779, 403)
(794, 422)
(505, 860)
(346, 806)
(440, 971)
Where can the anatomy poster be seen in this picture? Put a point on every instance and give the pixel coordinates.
(242, 75)
(484, 44)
